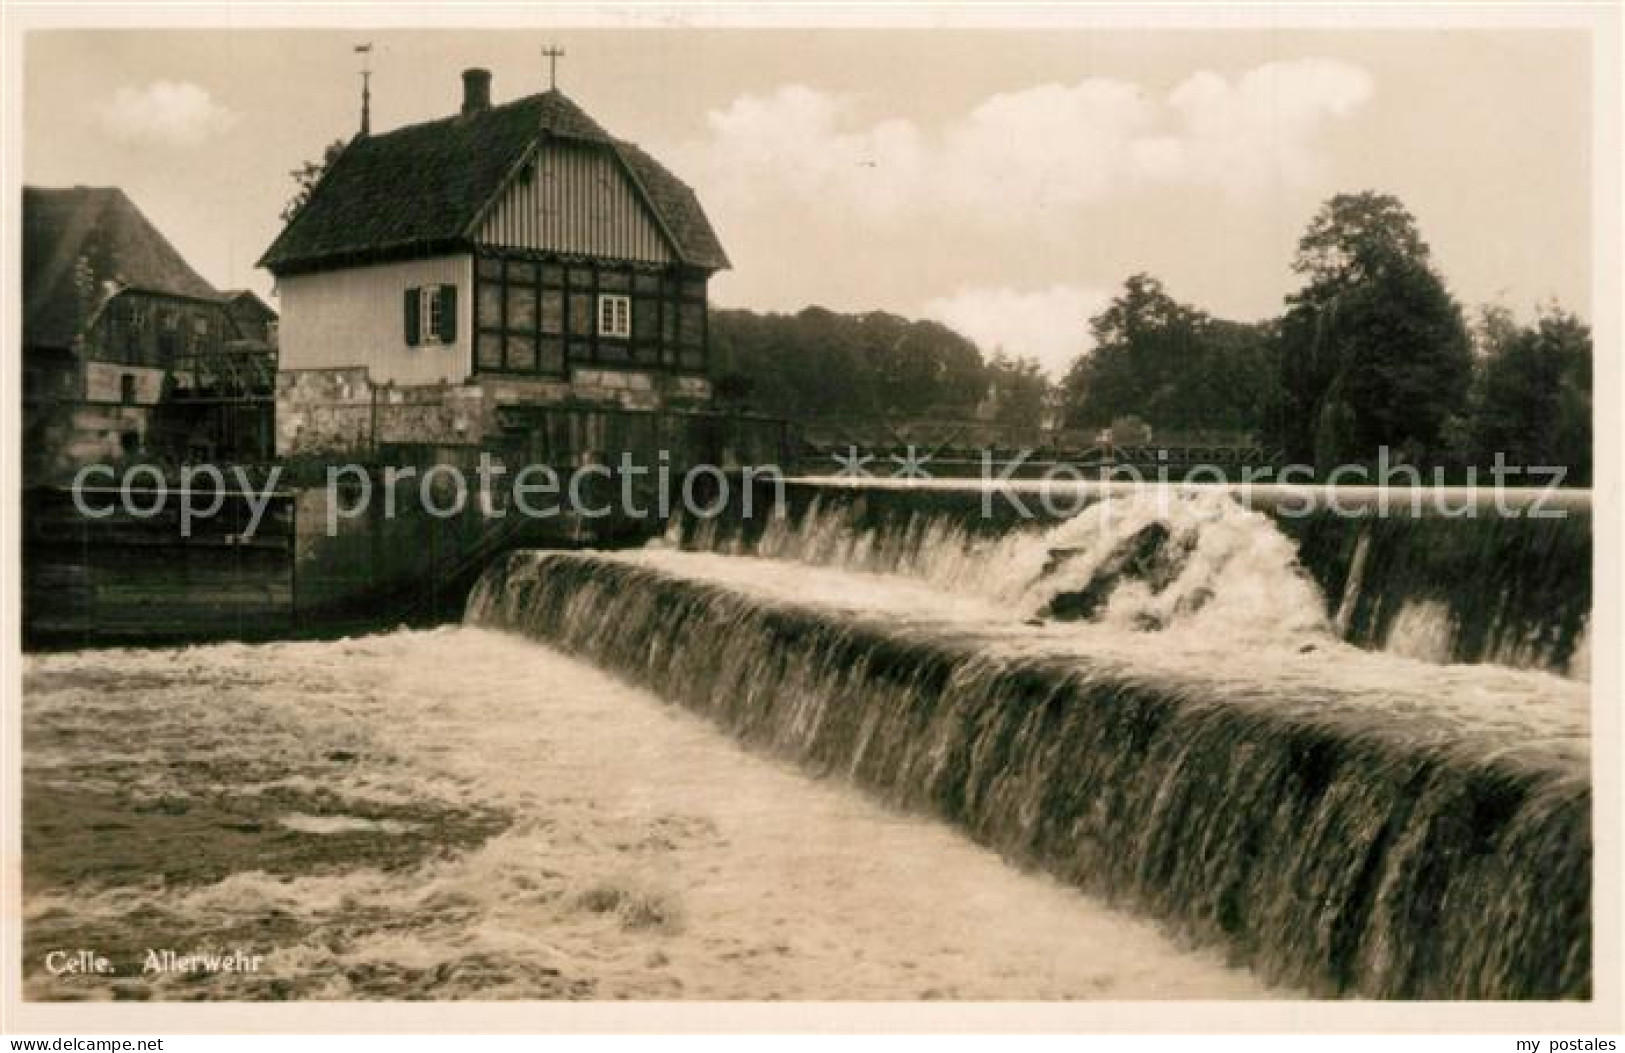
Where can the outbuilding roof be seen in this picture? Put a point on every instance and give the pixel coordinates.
(119, 248)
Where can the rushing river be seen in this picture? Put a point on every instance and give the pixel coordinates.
(463, 814)
(1154, 702)
(1133, 754)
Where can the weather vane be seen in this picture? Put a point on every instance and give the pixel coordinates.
(552, 55)
(365, 50)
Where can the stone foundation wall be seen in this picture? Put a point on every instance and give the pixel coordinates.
(59, 438)
(324, 411)
(639, 390)
(342, 411)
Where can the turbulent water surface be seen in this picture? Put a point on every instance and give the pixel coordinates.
(1507, 589)
(461, 813)
(1153, 704)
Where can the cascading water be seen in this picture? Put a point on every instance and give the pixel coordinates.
(1512, 590)
(1075, 697)
(1148, 562)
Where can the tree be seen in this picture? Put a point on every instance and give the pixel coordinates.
(920, 367)
(1172, 365)
(305, 178)
(1533, 399)
(1017, 387)
(1373, 349)
(1353, 236)
(1142, 339)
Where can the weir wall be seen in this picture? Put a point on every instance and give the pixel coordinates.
(1511, 585)
(1334, 848)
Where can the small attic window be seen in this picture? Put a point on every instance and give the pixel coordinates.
(527, 173)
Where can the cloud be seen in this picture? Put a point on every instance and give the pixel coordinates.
(1051, 324)
(1261, 129)
(1021, 155)
(165, 112)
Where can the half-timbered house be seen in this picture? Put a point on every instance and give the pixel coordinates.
(519, 252)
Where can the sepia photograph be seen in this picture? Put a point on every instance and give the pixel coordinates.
(686, 518)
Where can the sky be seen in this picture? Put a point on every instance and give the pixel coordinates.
(1004, 182)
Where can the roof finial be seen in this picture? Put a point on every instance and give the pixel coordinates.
(366, 86)
(552, 55)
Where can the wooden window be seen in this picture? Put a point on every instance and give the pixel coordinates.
(430, 312)
(614, 316)
(431, 315)
(199, 340)
(134, 332)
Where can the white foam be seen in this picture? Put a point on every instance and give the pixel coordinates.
(342, 824)
(739, 878)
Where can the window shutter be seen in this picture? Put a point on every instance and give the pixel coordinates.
(414, 327)
(448, 314)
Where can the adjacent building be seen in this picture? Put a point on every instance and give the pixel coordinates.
(507, 256)
(253, 321)
(122, 342)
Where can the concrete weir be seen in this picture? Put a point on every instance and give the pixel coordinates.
(1347, 822)
(1446, 575)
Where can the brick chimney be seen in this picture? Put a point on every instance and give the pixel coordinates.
(476, 91)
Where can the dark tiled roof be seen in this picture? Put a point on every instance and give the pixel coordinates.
(247, 299)
(104, 228)
(678, 207)
(423, 186)
(563, 117)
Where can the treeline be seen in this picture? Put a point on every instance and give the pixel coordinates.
(1371, 351)
(819, 363)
